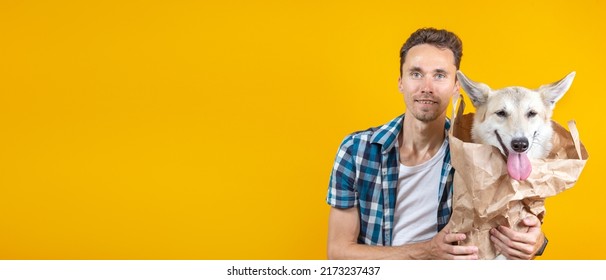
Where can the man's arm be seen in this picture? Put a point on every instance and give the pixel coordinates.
(344, 226)
(519, 245)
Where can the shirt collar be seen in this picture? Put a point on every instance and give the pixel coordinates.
(387, 134)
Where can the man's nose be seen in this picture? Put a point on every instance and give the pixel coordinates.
(427, 86)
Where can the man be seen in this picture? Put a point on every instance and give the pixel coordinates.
(391, 186)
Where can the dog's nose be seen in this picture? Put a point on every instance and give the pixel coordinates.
(520, 144)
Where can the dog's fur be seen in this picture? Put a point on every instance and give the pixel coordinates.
(515, 119)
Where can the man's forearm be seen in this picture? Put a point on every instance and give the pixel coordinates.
(368, 252)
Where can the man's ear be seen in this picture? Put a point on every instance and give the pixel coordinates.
(400, 87)
(457, 86)
(477, 92)
(551, 93)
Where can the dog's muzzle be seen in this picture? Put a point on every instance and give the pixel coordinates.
(519, 145)
(505, 150)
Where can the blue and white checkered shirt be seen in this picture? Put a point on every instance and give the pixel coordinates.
(365, 175)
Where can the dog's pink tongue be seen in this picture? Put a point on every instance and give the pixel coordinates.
(518, 166)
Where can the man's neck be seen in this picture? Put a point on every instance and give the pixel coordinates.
(420, 141)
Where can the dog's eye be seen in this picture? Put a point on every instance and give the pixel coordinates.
(501, 113)
(531, 114)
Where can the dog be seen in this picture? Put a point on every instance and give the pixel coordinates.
(515, 119)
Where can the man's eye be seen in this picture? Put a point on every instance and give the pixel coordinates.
(416, 75)
(440, 76)
(501, 113)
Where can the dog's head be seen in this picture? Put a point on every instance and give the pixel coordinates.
(516, 120)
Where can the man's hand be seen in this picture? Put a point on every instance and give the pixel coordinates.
(519, 245)
(444, 246)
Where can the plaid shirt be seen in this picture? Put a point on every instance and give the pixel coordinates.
(365, 175)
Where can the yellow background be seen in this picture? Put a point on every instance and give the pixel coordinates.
(208, 129)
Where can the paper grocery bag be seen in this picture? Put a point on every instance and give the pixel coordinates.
(484, 195)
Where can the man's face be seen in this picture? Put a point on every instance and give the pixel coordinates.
(428, 81)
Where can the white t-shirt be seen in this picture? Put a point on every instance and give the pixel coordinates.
(415, 217)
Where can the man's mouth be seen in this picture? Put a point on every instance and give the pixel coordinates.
(425, 101)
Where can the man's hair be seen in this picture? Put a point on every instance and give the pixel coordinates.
(440, 38)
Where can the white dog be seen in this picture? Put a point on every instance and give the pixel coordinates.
(515, 119)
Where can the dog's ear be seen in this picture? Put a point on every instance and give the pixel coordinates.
(551, 93)
(477, 92)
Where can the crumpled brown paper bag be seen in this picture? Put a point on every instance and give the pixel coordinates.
(484, 195)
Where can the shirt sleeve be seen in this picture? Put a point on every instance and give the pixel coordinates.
(341, 189)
